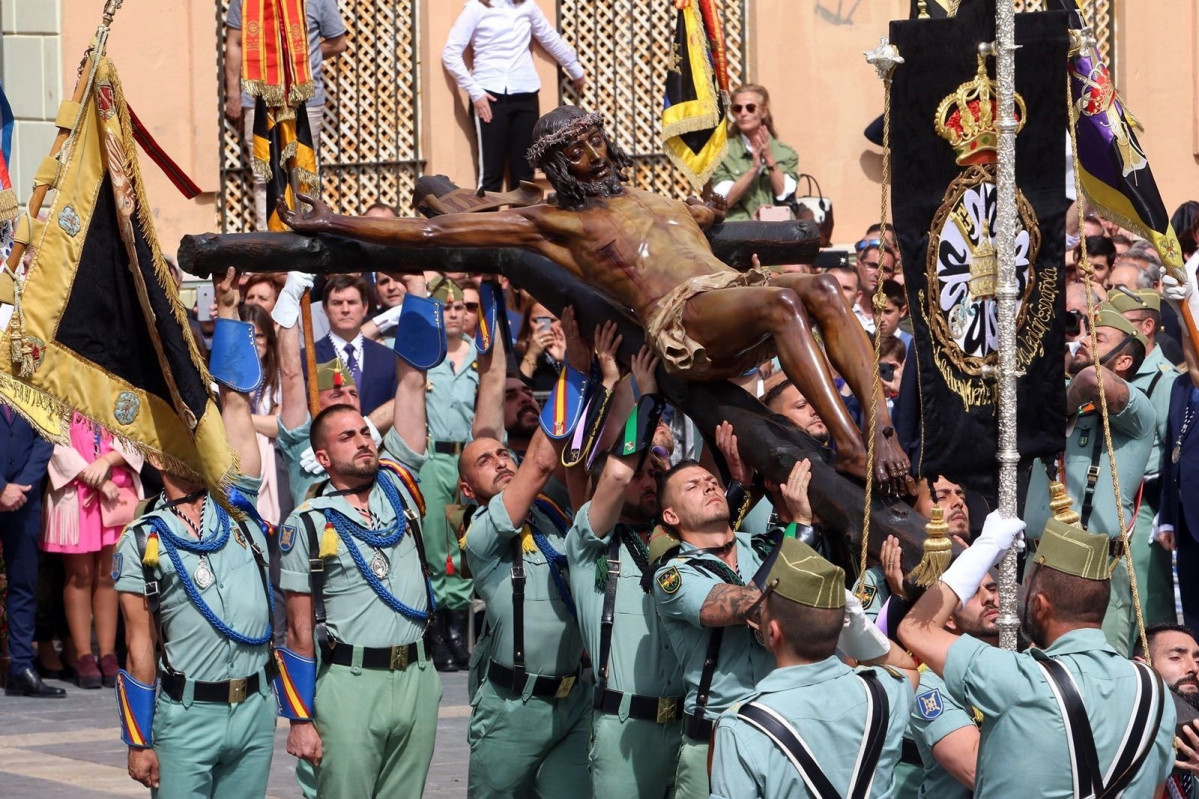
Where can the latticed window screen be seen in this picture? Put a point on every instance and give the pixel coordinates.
(625, 46)
(370, 148)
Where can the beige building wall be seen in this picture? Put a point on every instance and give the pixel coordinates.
(807, 52)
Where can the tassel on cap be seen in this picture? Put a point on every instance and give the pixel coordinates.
(938, 551)
(151, 557)
(329, 543)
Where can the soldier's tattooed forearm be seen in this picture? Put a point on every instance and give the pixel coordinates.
(727, 605)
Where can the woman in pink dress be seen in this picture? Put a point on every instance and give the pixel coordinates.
(93, 493)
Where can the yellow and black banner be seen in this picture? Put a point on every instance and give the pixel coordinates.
(697, 86)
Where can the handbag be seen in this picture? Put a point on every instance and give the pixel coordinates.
(817, 203)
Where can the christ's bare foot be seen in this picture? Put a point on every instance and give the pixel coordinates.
(890, 462)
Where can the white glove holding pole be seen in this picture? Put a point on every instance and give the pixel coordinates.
(860, 639)
(388, 319)
(966, 573)
(1174, 291)
(287, 307)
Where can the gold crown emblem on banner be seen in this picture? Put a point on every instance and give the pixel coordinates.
(967, 119)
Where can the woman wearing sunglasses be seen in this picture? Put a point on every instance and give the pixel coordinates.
(759, 170)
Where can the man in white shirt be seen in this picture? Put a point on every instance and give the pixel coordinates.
(503, 83)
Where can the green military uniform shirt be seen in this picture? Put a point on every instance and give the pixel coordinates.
(294, 443)
(356, 613)
(236, 595)
(936, 714)
(825, 703)
(680, 589)
(739, 160)
(1160, 374)
(450, 406)
(1024, 751)
(640, 660)
(553, 645)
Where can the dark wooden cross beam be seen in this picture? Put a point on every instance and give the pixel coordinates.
(767, 441)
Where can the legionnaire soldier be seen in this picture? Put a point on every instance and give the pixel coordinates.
(357, 586)
(531, 715)
(1101, 724)
(702, 592)
(1151, 559)
(814, 726)
(945, 732)
(1086, 470)
(452, 389)
(194, 586)
(636, 725)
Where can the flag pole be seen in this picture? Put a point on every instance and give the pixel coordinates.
(82, 86)
(1007, 293)
(314, 393)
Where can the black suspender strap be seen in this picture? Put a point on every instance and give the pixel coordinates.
(608, 619)
(1153, 383)
(1089, 780)
(697, 723)
(1088, 493)
(316, 583)
(796, 750)
(518, 611)
(418, 539)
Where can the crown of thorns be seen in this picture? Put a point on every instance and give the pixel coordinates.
(565, 134)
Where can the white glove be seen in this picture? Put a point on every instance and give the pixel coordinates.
(378, 439)
(287, 307)
(388, 319)
(966, 573)
(5, 315)
(1174, 291)
(309, 463)
(860, 639)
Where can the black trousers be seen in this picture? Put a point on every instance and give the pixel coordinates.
(1188, 572)
(504, 140)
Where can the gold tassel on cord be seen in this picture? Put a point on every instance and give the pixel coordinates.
(938, 551)
(329, 543)
(151, 557)
(1061, 504)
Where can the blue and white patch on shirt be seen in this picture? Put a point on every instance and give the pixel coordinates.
(118, 560)
(929, 704)
(287, 537)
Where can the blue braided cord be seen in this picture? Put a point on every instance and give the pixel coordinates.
(167, 539)
(557, 562)
(239, 500)
(388, 537)
(210, 545)
(388, 598)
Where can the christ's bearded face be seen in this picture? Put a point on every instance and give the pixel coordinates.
(590, 164)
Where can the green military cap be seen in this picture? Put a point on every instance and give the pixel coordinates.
(801, 575)
(1072, 550)
(1125, 300)
(1107, 315)
(333, 374)
(446, 290)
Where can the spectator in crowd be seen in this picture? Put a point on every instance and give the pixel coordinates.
(24, 456)
(326, 39)
(891, 356)
(503, 83)
(851, 284)
(93, 492)
(470, 314)
(1121, 242)
(541, 346)
(1101, 254)
(1184, 221)
(875, 261)
(264, 407)
(1174, 651)
(895, 310)
(262, 289)
(371, 364)
(759, 170)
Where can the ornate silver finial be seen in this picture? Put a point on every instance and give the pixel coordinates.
(884, 58)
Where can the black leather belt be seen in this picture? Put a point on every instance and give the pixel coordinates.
(448, 447)
(392, 658)
(229, 692)
(658, 709)
(555, 687)
(698, 729)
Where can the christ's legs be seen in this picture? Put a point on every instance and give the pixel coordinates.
(727, 322)
(849, 349)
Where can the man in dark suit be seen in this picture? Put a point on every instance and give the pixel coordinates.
(1178, 520)
(346, 301)
(23, 458)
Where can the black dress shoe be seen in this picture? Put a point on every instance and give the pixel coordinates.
(455, 636)
(27, 683)
(442, 659)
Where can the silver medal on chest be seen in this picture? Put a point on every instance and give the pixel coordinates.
(379, 565)
(203, 574)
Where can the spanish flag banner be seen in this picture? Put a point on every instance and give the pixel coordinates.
(284, 156)
(1114, 173)
(697, 87)
(274, 52)
(98, 328)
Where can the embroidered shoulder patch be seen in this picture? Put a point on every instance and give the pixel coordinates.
(869, 592)
(670, 580)
(287, 537)
(118, 560)
(929, 704)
